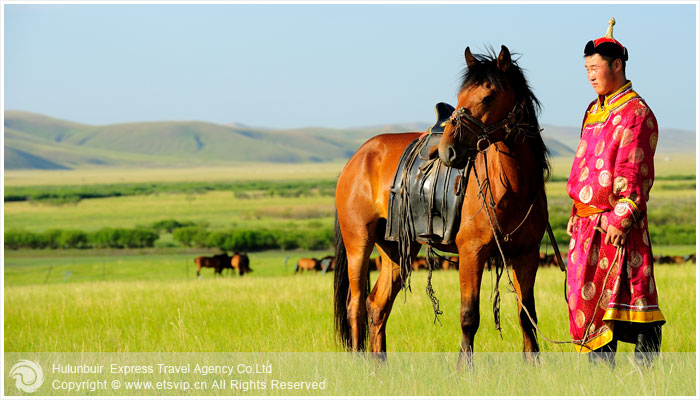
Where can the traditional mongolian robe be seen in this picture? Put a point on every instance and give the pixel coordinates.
(610, 180)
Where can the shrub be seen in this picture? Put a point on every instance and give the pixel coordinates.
(123, 238)
(316, 239)
(73, 239)
(20, 238)
(191, 236)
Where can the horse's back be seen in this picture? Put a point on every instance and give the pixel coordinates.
(370, 172)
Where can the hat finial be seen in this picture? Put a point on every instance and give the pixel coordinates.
(611, 23)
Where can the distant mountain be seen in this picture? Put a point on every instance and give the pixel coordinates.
(34, 141)
(670, 140)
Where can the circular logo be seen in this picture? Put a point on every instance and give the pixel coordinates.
(605, 299)
(620, 185)
(644, 169)
(28, 375)
(636, 259)
(653, 140)
(617, 134)
(599, 148)
(636, 156)
(581, 149)
(586, 194)
(650, 123)
(588, 291)
(627, 137)
(580, 318)
(594, 254)
(583, 175)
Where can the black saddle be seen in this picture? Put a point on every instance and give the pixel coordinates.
(426, 196)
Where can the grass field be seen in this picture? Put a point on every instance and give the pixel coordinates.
(153, 303)
(148, 300)
(233, 172)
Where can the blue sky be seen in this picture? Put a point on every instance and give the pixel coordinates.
(332, 65)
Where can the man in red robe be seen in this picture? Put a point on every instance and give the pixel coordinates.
(611, 288)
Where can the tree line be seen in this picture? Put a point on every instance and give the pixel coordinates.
(187, 234)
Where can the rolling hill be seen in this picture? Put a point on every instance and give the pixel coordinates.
(34, 141)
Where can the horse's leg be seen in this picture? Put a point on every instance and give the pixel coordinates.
(381, 300)
(471, 268)
(359, 242)
(525, 269)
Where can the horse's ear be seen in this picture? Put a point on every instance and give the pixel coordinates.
(469, 57)
(504, 59)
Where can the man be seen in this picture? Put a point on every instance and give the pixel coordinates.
(611, 288)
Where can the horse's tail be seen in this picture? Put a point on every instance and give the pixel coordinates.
(341, 287)
(297, 268)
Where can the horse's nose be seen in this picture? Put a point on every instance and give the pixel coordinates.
(451, 154)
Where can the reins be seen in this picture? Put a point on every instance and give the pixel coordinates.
(485, 188)
(462, 118)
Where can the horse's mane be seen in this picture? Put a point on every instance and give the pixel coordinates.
(486, 69)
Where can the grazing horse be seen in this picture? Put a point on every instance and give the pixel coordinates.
(495, 128)
(419, 263)
(327, 264)
(219, 262)
(241, 263)
(308, 264)
(450, 263)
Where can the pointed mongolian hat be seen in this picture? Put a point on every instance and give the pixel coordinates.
(606, 45)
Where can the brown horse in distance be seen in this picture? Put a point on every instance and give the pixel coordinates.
(241, 263)
(308, 264)
(219, 262)
(495, 125)
(450, 263)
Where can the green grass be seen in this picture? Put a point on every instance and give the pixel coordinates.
(230, 172)
(147, 303)
(110, 303)
(221, 209)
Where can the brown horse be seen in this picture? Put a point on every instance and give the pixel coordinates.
(241, 263)
(308, 264)
(219, 262)
(419, 263)
(495, 126)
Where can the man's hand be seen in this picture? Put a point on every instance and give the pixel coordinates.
(615, 236)
(570, 225)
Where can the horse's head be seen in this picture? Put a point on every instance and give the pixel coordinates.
(485, 106)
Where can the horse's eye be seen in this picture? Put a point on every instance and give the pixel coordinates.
(488, 99)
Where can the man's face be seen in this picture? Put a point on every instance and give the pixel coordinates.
(602, 77)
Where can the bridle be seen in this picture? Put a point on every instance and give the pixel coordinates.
(462, 118)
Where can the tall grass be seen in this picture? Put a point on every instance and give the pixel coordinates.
(275, 311)
(92, 310)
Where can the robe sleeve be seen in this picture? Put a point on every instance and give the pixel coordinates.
(634, 168)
